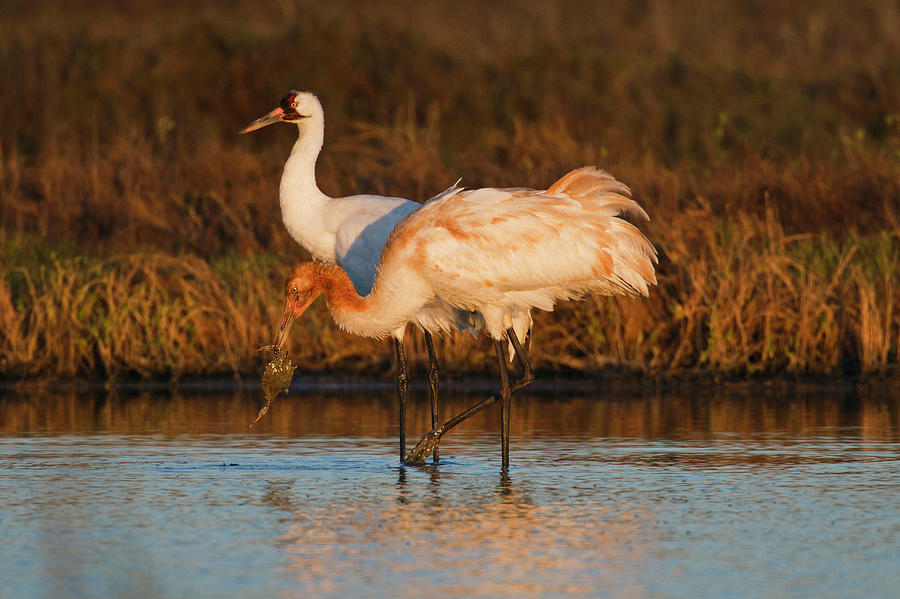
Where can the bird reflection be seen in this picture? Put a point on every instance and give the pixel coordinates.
(404, 493)
(505, 487)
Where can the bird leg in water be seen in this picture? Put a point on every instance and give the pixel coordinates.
(276, 378)
(506, 392)
(432, 438)
(433, 373)
(505, 402)
(402, 381)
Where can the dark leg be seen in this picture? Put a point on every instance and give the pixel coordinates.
(433, 373)
(505, 402)
(432, 438)
(402, 381)
(527, 373)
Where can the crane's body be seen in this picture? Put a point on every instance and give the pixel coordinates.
(505, 251)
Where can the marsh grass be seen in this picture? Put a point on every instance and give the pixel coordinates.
(739, 299)
(140, 236)
(149, 314)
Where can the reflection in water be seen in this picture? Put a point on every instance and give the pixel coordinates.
(696, 414)
(488, 542)
(703, 493)
(464, 537)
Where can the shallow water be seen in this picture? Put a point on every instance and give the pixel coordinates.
(698, 493)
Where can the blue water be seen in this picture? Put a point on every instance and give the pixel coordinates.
(662, 496)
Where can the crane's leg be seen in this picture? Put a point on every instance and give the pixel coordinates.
(527, 373)
(524, 381)
(505, 395)
(432, 438)
(433, 374)
(402, 382)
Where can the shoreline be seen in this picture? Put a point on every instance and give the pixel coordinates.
(543, 385)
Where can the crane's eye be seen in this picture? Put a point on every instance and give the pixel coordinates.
(294, 104)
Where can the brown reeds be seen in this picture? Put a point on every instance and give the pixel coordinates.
(139, 235)
(150, 314)
(739, 298)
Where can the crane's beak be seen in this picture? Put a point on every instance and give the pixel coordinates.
(276, 116)
(286, 321)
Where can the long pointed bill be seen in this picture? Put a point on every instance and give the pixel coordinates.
(286, 321)
(273, 117)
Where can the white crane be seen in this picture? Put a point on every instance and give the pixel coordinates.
(351, 232)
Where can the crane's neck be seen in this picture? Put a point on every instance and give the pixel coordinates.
(384, 311)
(303, 206)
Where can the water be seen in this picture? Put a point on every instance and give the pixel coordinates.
(699, 493)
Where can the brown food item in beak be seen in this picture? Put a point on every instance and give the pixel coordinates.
(279, 371)
(276, 379)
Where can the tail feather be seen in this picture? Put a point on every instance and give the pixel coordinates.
(521, 324)
(589, 180)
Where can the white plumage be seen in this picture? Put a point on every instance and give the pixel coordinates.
(502, 252)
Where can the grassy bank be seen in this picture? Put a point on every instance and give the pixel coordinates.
(737, 298)
(140, 235)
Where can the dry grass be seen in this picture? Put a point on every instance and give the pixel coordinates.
(141, 235)
(739, 298)
(150, 314)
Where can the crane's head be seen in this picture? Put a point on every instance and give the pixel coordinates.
(295, 106)
(303, 286)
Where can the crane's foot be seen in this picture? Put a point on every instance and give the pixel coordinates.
(427, 445)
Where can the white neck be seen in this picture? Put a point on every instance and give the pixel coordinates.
(303, 206)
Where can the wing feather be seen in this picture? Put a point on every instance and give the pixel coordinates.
(527, 248)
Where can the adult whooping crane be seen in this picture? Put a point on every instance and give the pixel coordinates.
(498, 252)
(351, 232)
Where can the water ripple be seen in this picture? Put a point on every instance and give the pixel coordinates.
(721, 506)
